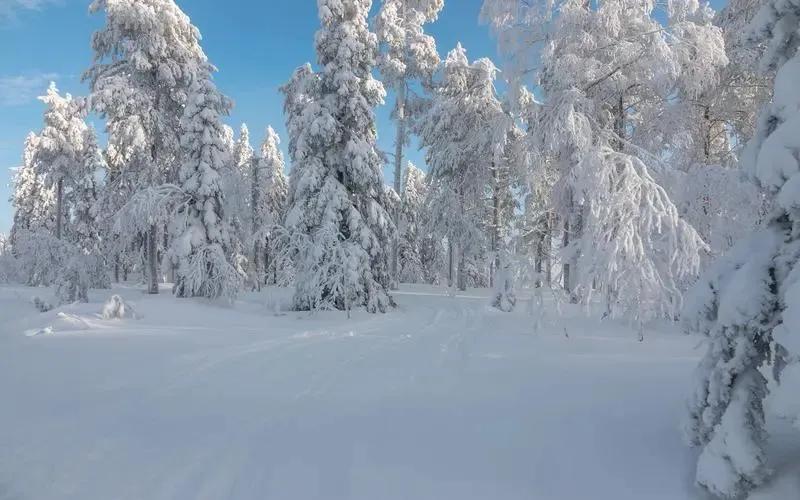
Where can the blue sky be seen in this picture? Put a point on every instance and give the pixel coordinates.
(256, 44)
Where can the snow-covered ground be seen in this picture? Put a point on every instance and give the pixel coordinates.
(441, 399)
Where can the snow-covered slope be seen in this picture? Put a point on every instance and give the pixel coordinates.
(441, 399)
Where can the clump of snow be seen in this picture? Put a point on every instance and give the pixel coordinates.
(117, 308)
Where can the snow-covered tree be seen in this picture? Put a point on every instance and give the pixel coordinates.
(67, 159)
(200, 236)
(750, 299)
(8, 265)
(742, 88)
(601, 68)
(461, 131)
(32, 201)
(237, 186)
(411, 227)
(409, 56)
(509, 168)
(67, 154)
(145, 60)
(339, 229)
(270, 190)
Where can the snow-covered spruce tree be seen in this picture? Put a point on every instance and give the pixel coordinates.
(85, 227)
(270, 190)
(750, 298)
(237, 186)
(32, 201)
(460, 131)
(67, 159)
(408, 56)
(338, 227)
(200, 243)
(61, 153)
(8, 265)
(145, 59)
(411, 232)
(509, 166)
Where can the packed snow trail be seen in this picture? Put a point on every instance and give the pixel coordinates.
(443, 398)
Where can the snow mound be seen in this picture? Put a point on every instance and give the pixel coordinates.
(63, 323)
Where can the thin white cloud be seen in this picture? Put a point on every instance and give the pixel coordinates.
(22, 89)
(10, 8)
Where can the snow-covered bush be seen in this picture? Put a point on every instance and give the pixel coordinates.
(116, 308)
(40, 257)
(72, 283)
(8, 265)
(41, 305)
(504, 297)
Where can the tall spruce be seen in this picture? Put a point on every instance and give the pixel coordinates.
(338, 224)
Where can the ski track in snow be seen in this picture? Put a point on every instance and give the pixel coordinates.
(442, 399)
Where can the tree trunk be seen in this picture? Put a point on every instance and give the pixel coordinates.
(152, 260)
(450, 263)
(566, 265)
(258, 275)
(619, 123)
(400, 140)
(495, 226)
(539, 262)
(267, 264)
(172, 270)
(59, 208)
(577, 231)
(462, 274)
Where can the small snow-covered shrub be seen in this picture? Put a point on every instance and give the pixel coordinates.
(8, 268)
(504, 298)
(41, 305)
(117, 308)
(72, 283)
(40, 256)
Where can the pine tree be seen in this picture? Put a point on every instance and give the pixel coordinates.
(338, 225)
(200, 238)
(32, 201)
(749, 300)
(462, 129)
(411, 234)
(145, 60)
(270, 190)
(67, 158)
(60, 156)
(410, 56)
(237, 186)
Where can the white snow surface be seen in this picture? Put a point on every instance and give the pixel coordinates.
(443, 398)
